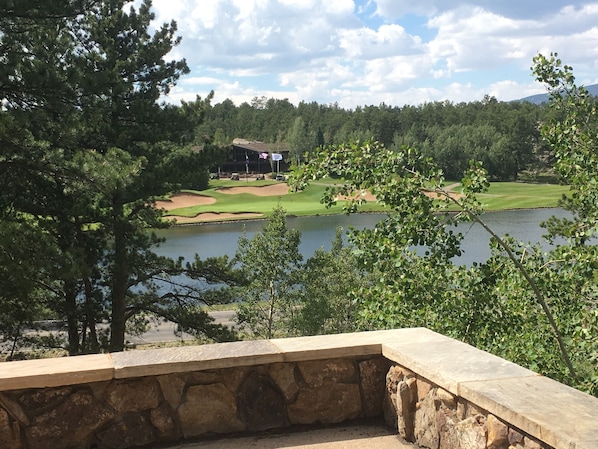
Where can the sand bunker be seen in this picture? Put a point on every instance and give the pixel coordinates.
(270, 190)
(358, 196)
(214, 216)
(179, 200)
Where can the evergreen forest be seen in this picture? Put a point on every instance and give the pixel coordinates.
(505, 136)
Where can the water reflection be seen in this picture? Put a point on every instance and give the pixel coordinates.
(218, 239)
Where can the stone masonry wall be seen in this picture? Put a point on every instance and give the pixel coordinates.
(433, 418)
(126, 413)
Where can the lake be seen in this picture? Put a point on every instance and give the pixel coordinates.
(218, 239)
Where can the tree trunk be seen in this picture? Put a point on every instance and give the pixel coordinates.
(119, 277)
(72, 319)
(93, 345)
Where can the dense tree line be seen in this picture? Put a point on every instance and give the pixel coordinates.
(505, 136)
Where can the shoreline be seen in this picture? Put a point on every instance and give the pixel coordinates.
(242, 220)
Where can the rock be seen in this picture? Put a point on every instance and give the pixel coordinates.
(498, 433)
(393, 377)
(134, 395)
(130, 431)
(389, 405)
(389, 409)
(204, 377)
(515, 437)
(328, 404)
(406, 400)
(446, 398)
(461, 410)
(423, 388)
(336, 370)
(283, 375)
(425, 429)
(471, 433)
(261, 406)
(446, 420)
(372, 373)
(172, 386)
(34, 401)
(407, 373)
(208, 408)
(14, 410)
(10, 432)
(232, 377)
(163, 420)
(72, 421)
(531, 444)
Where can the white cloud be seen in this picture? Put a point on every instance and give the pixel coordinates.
(359, 52)
(388, 40)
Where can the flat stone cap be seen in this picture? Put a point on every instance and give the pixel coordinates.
(56, 372)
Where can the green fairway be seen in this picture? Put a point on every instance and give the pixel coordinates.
(517, 195)
(500, 196)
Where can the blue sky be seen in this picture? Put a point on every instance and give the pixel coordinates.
(365, 52)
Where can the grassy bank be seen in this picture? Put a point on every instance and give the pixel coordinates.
(500, 196)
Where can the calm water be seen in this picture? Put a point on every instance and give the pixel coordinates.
(218, 239)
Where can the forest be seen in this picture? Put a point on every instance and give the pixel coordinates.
(505, 136)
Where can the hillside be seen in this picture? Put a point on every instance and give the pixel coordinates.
(543, 98)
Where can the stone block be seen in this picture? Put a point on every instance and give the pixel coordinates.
(324, 347)
(130, 431)
(194, 358)
(204, 377)
(446, 421)
(232, 377)
(423, 388)
(172, 386)
(13, 408)
(372, 373)
(498, 433)
(425, 429)
(69, 423)
(44, 373)
(134, 395)
(163, 420)
(471, 433)
(406, 400)
(208, 409)
(446, 399)
(260, 404)
(284, 375)
(10, 432)
(315, 373)
(34, 400)
(328, 404)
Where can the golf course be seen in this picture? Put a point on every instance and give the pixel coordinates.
(226, 200)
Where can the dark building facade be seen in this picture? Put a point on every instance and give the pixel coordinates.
(255, 157)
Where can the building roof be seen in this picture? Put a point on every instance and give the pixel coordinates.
(260, 147)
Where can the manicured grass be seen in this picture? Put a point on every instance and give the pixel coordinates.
(517, 195)
(500, 196)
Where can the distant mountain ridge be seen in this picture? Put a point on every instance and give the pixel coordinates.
(543, 98)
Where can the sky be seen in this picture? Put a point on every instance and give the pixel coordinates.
(367, 52)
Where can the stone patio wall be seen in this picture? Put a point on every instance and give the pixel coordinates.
(124, 413)
(437, 392)
(428, 415)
